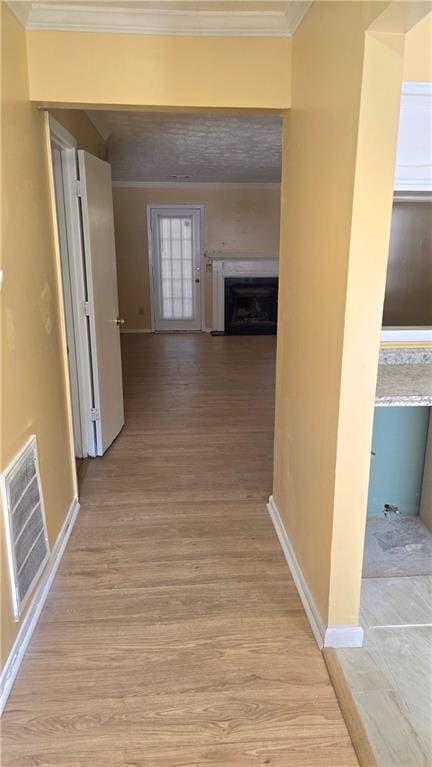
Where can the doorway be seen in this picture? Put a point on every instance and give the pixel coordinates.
(175, 267)
(85, 225)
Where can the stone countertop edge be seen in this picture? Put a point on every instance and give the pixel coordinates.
(409, 401)
(405, 383)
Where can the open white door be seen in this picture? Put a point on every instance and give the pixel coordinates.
(101, 276)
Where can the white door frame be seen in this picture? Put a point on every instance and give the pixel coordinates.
(173, 210)
(57, 164)
(61, 139)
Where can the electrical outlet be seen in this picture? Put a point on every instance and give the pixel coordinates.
(390, 508)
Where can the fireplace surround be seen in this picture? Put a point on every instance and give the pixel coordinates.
(225, 265)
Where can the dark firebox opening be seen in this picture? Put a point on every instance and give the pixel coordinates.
(251, 305)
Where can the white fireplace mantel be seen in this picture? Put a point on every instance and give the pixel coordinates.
(236, 265)
(218, 255)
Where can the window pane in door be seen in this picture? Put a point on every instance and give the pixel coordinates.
(176, 267)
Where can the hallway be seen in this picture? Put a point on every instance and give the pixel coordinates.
(173, 635)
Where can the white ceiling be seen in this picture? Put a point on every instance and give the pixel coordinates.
(170, 17)
(165, 147)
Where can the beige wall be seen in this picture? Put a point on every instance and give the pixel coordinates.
(33, 374)
(340, 145)
(235, 219)
(140, 70)
(335, 225)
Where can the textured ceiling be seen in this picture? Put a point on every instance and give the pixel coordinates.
(164, 147)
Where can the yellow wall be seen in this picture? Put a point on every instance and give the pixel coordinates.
(120, 69)
(33, 375)
(335, 225)
(79, 125)
(418, 52)
(367, 266)
(235, 219)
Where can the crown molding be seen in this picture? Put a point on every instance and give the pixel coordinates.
(136, 19)
(21, 10)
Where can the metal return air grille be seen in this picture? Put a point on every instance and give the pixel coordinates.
(25, 524)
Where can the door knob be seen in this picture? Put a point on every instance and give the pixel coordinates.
(120, 321)
(196, 279)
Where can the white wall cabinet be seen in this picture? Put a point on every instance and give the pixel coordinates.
(414, 152)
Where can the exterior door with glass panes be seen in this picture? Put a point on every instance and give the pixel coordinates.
(176, 267)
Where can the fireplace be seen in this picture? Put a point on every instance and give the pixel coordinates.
(250, 305)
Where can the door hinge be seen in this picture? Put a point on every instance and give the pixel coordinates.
(86, 309)
(78, 187)
(94, 414)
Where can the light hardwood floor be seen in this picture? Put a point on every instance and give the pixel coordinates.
(173, 635)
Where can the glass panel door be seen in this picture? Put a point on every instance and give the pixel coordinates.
(176, 263)
(176, 266)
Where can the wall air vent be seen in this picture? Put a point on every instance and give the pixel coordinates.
(25, 525)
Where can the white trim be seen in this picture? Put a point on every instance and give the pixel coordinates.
(62, 138)
(313, 616)
(135, 330)
(147, 21)
(412, 196)
(58, 274)
(59, 159)
(330, 636)
(195, 208)
(343, 636)
(150, 267)
(416, 184)
(414, 335)
(16, 655)
(215, 255)
(195, 185)
(416, 88)
(21, 10)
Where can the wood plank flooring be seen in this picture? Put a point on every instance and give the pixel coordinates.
(173, 635)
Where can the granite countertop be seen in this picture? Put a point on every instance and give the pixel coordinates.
(404, 378)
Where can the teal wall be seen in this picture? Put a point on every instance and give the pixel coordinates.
(399, 441)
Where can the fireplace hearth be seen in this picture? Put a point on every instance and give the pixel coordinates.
(251, 305)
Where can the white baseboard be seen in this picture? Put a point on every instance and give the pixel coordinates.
(343, 636)
(330, 636)
(148, 330)
(16, 655)
(314, 618)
